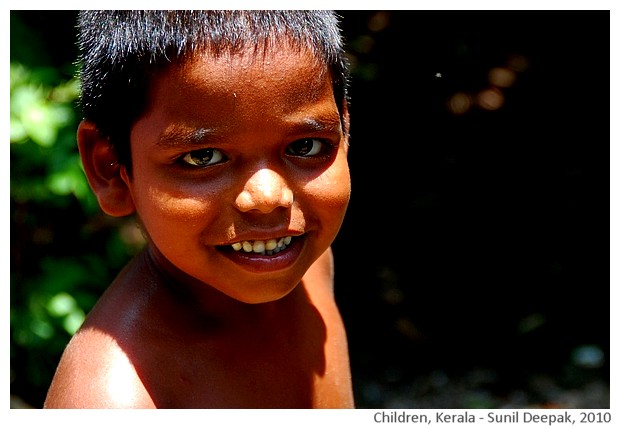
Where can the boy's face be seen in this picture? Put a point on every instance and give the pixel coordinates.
(241, 151)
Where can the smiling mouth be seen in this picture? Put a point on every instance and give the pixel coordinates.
(263, 247)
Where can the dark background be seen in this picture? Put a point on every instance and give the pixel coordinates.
(476, 248)
(473, 264)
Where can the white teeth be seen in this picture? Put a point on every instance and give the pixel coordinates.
(271, 244)
(258, 246)
(268, 247)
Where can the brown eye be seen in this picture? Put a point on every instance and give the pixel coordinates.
(204, 157)
(305, 147)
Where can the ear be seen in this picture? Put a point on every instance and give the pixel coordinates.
(107, 178)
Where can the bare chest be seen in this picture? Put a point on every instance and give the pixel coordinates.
(290, 367)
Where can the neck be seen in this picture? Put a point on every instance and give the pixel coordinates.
(200, 301)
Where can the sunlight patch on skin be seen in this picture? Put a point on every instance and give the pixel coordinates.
(122, 380)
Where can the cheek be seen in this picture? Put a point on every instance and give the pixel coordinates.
(162, 210)
(331, 190)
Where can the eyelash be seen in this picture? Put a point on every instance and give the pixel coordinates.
(323, 151)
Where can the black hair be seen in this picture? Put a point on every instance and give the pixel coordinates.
(120, 52)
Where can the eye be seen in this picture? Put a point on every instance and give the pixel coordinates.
(204, 157)
(306, 147)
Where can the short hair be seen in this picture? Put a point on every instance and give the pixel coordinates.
(120, 51)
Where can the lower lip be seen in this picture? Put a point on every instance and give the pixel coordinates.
(257, 263)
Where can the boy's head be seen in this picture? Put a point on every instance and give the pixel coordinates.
(227, 136)
(121, 52)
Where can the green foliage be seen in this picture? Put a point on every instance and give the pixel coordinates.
(44, 157)
(64, 250)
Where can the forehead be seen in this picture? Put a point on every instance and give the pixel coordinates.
(284, 73)
(270, 96)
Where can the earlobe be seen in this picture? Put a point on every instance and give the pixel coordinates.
(103, 171)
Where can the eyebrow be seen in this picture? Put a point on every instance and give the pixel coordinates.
(175, 137)
(324, 124)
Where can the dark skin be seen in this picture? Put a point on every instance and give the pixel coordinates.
(285, 354)
(190, 322)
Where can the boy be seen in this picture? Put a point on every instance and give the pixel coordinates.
(225, 133)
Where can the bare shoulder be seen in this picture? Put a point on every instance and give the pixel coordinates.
(320, 275)
(334, 386)
(94, 372)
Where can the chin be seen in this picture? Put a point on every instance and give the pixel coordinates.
(262, 298)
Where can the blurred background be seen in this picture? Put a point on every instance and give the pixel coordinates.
(473, 267)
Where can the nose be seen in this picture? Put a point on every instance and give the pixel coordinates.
(264, 191)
